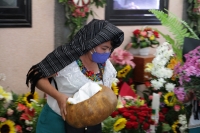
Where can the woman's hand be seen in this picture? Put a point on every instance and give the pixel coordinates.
(62, 100)
(44, 85)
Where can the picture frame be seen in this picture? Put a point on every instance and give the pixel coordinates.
(15, 13)
(124, 17)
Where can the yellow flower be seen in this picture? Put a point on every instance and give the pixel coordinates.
(141, 102)
(7, 127)
(141, 38)
(119, 102)
(6, 95)
(170, 99)
(27, 98)
(115, 88)
(120, 124)
(152, 37)
(172, 63)
(123, 72)
(175, 126)
(149, 67)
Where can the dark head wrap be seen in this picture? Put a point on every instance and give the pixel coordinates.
(91, 35)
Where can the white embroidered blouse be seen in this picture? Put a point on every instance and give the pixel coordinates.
(70, 79)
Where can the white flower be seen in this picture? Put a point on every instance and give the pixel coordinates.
(170, 87)
(115, 81)
(28, 122)
(161, 80)
(156, 84)
(162, 72)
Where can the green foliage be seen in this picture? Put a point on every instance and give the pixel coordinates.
(76, 17)
(177, 27)
(108, 125)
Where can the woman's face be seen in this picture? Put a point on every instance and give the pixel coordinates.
(103, 48)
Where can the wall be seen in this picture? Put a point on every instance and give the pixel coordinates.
(20, 48)
(23, 47)
(175, 6)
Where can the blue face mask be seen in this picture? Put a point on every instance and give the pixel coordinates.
(100, 57)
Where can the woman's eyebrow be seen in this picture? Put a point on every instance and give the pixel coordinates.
(108, 47)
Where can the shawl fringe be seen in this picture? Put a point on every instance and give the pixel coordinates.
(33, 76)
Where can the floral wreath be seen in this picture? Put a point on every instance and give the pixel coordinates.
(77, 12)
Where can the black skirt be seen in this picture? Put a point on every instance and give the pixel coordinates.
(89, 129)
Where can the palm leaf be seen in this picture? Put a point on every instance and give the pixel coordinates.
(177, 27)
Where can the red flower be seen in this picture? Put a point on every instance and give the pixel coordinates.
(18, 128)
(141, 119)
(135, 125)
(161, 117)
(114, 114)
(129, 124)
(122, 110)
(156, 34)
(21, 107)
(133, 118)
(146, 126)
(28, 114)
(126, 114)
(136, 32)
(164, 110)
(147, 84)
(151, 122)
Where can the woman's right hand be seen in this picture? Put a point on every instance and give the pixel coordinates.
(62, 100)
(44, 85)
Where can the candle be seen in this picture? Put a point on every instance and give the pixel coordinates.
(155, 110)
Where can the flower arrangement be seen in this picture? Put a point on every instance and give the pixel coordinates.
(132, 116)
(143, 38)
(189, 72)
(123, 62)
(17, 113)
(164, 81)
(78, 11)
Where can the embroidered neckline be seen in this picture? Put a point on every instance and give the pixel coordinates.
(90, 74)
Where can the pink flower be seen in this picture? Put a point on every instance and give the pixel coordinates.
(82, 14)
(127, 58)
(143, 33)
(150, 97)
(2, 119)
(86, 9)
(122, 57)
(177, 107)
(160, 93)
(18, 128)
(29, 128)
(9, 112)
(116, 57)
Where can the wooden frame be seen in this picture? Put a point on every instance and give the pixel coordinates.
(132, 16)
(16, 16)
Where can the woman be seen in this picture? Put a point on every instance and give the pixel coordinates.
(72, 65)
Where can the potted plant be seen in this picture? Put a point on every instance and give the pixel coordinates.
(144, 39)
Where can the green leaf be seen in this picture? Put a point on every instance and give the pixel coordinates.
(144, 44)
